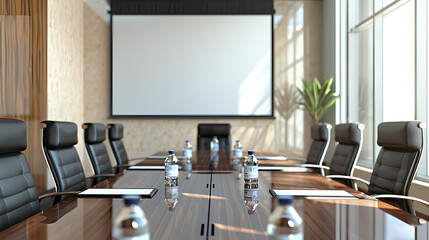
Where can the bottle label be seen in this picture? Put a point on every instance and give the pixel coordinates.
(215, 147)
(172, 170)
(171, 192)
(187, 153)
(251, 172)
(238, 153)
(251, 194)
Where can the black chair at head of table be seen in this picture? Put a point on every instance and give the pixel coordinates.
(206, 132)
(347, 151)
(321, 134)
(401, 150)
(95, 134)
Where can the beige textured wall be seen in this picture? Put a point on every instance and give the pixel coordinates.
(144, 137)
(65, 64)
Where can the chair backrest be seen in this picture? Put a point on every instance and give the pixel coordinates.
(349, 139)
(95, 134)
(18, 194)
(321, 134)
(61, 156)
(116, 133)
(401, 149)
(207, 131)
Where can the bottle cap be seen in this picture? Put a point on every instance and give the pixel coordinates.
(285, 199)
(187, 141)
(131, 199)
(251, 152)
(171, 152)
(214, 137)
(237, 141)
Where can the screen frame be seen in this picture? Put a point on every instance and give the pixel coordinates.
(142, 116)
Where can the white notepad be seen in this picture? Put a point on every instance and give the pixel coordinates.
(117, 192)
(312, 193)
(146, 168)
(284, 169)
(161, 157)
(271, 158)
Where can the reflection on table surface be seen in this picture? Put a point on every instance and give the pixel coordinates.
(235, 212)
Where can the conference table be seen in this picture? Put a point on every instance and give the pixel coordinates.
(211, 205)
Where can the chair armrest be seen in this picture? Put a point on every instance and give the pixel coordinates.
(315, 166)
(52, 194)
(348, 177)
(401, 197)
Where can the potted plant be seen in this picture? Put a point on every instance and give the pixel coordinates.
(317, 98)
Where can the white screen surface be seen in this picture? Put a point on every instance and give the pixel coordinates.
(192, 65)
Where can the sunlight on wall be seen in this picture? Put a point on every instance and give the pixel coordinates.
(295, 56)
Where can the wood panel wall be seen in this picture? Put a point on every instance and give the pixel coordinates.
(23, 74)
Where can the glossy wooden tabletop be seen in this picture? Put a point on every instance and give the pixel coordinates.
(211, 205)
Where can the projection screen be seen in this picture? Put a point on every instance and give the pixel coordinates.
(192, 66)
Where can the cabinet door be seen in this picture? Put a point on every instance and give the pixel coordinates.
(230, 218)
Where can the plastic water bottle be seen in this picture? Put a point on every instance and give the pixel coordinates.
(214, 144)
(251, 171)
(285, 222)
(238, 149)
(171, 197)
(187, 150)
(251, 199)
(187, 167)
(171, 169)
(131, 222)
(238, 167)
(214, 159)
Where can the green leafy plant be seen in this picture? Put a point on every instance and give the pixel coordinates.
(318, 98)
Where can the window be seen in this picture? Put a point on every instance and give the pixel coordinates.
(381, 68)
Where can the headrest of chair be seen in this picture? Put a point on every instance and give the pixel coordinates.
(401, 135)
(59, 134)
(13, 135)
(349, 133)
(214, 129)
(116, 131)
(94, 133)
(321, 132)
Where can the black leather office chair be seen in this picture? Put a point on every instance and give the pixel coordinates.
(18, 195)
(207, 131)
(95, 134)
(401, 149)
(116, 133)
(349, 139)
(321, 134)
(63, 161)
(61, 156)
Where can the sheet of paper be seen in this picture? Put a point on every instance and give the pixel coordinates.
(116, 192)
(313, 193)
(284, 169)
(162, 157)
(146, 168)
(271, 158)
